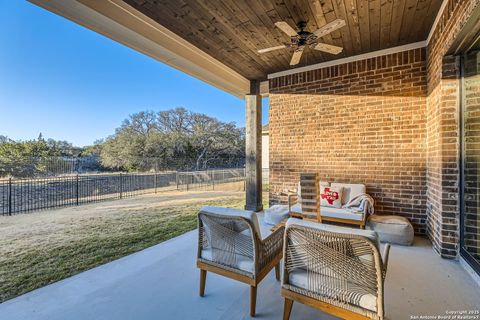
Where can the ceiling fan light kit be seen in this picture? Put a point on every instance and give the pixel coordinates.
(301, 39)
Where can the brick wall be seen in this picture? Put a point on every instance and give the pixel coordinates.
(391, 122)
(363, 121)
(442, 129)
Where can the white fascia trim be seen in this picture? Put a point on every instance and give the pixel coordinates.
(363, 56)
(120, 22)
(437, 19)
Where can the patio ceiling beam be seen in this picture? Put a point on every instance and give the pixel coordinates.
(120, 22)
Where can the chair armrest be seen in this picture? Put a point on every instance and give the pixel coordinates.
(291, 201)
(291, 194)
(270, 247)
(386, 253)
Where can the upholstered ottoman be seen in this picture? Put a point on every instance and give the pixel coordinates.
(392, 229)
(275, 214)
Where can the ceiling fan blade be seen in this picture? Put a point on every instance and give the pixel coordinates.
(272, 49)
(296, 56)
(328, 48)
(329, 27)
(285, 27)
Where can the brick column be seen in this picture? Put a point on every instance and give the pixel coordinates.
(253, 148)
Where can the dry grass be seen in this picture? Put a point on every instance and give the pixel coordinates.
(44, 247)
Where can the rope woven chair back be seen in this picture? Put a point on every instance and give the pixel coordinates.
(228, 241)
(343, 270)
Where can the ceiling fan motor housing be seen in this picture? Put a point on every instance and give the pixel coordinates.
(303, 37)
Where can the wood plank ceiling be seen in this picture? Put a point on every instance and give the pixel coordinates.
(233, 30)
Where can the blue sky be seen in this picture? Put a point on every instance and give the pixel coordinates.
(70, 83)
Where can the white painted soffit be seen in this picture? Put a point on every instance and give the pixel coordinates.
(120, 22)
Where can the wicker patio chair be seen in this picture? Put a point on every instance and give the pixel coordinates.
(334, 269)
(233, 243)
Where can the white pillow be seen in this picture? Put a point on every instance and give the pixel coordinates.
(331, 196)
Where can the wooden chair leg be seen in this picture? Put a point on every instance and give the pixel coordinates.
(277, 271)
(253, 300)
(203, 278)
(287, 309)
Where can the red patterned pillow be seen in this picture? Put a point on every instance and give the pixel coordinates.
(331, 196)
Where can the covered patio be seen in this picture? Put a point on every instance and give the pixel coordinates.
(382, 93)
(162, 283)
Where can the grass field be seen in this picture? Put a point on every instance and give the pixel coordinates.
(44, 247)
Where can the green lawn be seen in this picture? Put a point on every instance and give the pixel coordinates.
(41, 248)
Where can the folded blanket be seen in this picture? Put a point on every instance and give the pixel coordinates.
(360, 203)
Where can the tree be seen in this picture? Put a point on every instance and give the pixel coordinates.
(23, 158)
(33, 157)
(174, 139)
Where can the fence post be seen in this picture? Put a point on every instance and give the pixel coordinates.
(188, 180)
(244, 179)
(10, 196)
(155, 181)
(121, 186)
(77, 189)
(213, 179)
(176, 177)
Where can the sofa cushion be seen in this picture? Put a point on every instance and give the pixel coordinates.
(265, 228)
(331, 196)
(340, 213)
(297, 207)
(275, 214)
(350, 190)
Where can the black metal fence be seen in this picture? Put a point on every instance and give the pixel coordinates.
(32, 167)
(26, 195)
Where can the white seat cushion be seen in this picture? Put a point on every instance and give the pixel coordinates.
(332, 212)
(297, 207)
(299, 278)
(350, 190)
(340, 213)
(238, 261)
(275, 214)
(265, 228)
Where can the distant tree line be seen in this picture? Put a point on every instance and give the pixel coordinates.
(33, 157)
(176, 139)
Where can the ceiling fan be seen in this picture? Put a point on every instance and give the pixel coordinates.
(302, 39)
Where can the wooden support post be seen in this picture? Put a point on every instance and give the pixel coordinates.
(253, 148)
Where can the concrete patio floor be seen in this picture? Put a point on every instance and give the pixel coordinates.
(161, 282)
